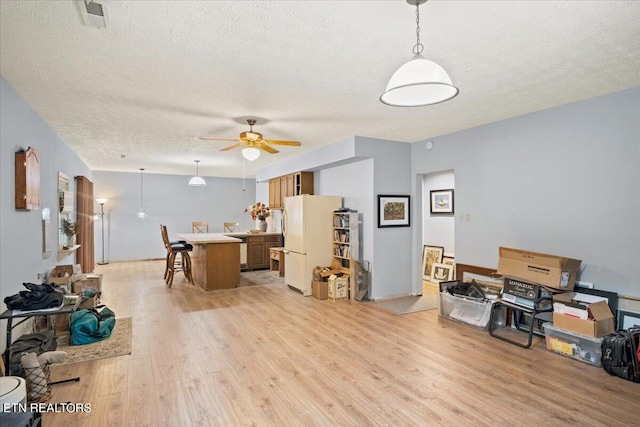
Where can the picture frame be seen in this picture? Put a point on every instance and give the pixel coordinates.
(394, 211)
(441, 272)
(446, 259)
(441, 202)
(430, 255)
(628, 319)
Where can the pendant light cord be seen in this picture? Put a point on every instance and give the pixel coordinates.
(141, 194)
(418, 48)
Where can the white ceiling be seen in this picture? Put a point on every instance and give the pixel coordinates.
(166, 72)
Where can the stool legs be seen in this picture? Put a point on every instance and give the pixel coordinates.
(184, 266)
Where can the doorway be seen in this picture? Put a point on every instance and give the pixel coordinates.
(438, 228)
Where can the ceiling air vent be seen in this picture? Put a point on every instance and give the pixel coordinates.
(93, 13)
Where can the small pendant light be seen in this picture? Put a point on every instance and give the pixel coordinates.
(419, 82)
(197, 181)
(141, 213)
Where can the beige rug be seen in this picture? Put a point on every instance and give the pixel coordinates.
(259, 277)
(118, 344)
(410, 304)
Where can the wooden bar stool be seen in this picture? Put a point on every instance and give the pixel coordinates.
(199, 227)
(172, 265)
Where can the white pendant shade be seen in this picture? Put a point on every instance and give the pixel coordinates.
(197, 181)
(142, 214)
(250, 153)
(417, 83)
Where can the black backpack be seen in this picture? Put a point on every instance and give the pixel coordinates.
(620, 354)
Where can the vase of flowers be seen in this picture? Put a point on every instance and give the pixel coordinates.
(69, 230)
(259, 212)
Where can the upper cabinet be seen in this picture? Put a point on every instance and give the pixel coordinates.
(27, 179)
(293, 184)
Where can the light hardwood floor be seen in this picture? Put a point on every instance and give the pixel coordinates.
(265, 355)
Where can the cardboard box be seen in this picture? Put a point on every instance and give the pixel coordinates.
(89, 282)
(88, 303)
(601, 324)
(321, 274)
(548, 270)
(338, 287)
(320, 290)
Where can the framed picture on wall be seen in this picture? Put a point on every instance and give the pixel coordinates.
(441, 201)
(430, 255)
(393, 211)
(441, 272)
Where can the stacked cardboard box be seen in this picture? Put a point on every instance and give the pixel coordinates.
(338, 287)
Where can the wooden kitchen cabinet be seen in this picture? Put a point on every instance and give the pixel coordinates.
(293, 184)
(275, 194)
(258, 246)
(27, 194)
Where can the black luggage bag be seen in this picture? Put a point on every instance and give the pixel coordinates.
(620, 354)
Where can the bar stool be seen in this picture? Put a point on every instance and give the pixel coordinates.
(199, 227)
(173, 249)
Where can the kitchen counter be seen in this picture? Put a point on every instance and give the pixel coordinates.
(203, 238)
(215, 260)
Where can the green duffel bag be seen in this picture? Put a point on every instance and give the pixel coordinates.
(90, 325)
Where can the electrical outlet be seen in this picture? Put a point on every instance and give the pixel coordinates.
(41, 276)
(467, 217)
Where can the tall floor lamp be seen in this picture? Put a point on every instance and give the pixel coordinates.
(101, 202)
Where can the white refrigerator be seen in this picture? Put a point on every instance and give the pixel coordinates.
(307, 223)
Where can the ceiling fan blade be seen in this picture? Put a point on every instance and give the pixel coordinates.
(217, 139)
(279, 142)
(231, 147)
(267, 148)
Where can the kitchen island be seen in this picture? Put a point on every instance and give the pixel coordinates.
(215, 260)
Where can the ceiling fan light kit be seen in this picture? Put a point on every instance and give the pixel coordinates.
(197, 181)
(250, 153)
(419, 82)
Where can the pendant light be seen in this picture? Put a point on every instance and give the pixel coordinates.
(197, 181)
(141, 213)
(419, 82)
(250, 153)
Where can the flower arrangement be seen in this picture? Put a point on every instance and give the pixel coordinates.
(68, 228)
(258, 211)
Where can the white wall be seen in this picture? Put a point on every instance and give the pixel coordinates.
(384, 174)
(563, 181)
(167, 200)
(356, 195)
(438, 229)
(21, 231)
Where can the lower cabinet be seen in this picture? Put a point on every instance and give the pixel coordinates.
(258, 246)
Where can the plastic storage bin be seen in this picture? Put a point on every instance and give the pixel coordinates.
(581, 347)
(471, 311)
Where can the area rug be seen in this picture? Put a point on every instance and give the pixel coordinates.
(411, 304)
(118, 344)
(259, 277)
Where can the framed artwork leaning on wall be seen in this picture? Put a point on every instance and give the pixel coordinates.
(430, 255)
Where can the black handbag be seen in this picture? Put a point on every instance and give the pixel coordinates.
(620, 354)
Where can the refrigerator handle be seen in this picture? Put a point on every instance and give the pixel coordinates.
(284, 223)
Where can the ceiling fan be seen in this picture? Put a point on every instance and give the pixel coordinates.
(255, 141)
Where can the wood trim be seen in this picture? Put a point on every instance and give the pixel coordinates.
(85, 255)
(466, 268)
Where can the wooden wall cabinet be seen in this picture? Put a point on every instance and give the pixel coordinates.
(293, 184)
(27, 179)
(258, 246)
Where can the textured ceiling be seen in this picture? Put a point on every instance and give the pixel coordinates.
(166, 72)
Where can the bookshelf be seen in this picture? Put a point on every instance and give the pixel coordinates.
(345, 245)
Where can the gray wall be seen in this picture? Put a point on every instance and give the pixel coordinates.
(21, 231)
(167, 200)
(563, 181)
(438, 229)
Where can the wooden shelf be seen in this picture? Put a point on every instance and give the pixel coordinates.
(62, 253)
